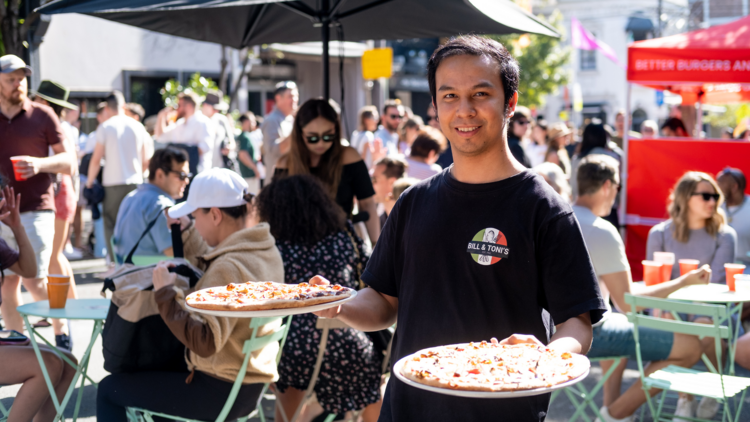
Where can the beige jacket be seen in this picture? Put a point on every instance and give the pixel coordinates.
(248, 255)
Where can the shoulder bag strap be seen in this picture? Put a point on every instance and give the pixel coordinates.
(129, 258)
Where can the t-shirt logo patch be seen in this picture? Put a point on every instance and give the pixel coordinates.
(488, 246)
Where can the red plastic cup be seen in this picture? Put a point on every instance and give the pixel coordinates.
(667, 259)
(732, 270)
(15, 160)
(687, 265)
(652, 272)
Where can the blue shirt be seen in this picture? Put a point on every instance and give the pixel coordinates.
(138, 209)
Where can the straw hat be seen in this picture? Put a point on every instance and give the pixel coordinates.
(558, 130)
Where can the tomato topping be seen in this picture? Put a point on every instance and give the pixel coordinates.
(566, 355)
(475, 371)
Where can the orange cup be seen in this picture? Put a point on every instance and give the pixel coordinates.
(667, 260)
(652, 272)
(58, 279)
(687, 265)
(732, 270)
(16, 173)
(58, 294)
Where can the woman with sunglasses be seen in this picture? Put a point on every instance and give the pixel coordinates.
(316, 149)
(696, 229)
(518, 129)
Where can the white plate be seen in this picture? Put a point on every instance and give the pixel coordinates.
(482, 394)
(273, 312)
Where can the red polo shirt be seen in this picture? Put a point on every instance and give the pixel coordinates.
(30, 132)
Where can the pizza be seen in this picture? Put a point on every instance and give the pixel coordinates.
(265, 295)
(493, 367)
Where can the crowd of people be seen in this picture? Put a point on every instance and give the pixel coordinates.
(294, 199)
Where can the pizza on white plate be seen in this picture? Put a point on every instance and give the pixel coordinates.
(493, 367)
(265, 295)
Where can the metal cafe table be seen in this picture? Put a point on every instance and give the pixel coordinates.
(719, 294)
(81, 309)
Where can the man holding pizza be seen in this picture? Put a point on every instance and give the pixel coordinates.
(434, 269)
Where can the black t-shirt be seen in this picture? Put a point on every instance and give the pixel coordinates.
(536, 269)
(355, 181)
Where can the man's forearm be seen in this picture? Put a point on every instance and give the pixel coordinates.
(573, 335)
(369, 311)
(63, 162)
(94, 167)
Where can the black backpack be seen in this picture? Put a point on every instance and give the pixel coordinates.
(135, 338)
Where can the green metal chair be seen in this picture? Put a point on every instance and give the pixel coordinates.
(582, 398)
(673, 378)
(251, 345)
(4, 413)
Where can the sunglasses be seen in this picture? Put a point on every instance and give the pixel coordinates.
(522, 122)
(707, 196)
(315, 139)
(395, 116)
(181, 174)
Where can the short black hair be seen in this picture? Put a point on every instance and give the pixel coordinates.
(473, 45)
(391, 103)
(163, 159)
(115, 100)
(246, 116)
(674, 123)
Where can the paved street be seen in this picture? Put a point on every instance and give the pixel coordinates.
(90, 287)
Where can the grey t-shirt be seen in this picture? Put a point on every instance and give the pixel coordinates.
(714, 251)
(275, 128)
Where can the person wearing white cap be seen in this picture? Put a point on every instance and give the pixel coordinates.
(223, 241)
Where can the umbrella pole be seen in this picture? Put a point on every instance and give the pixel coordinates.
(325, 37)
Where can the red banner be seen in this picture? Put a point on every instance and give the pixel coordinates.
(654, 166)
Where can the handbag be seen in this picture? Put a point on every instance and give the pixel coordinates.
(135, 337)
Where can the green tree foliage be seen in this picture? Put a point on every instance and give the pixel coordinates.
(14, 26)
(542, 60)
(196, 84)
(734, 114)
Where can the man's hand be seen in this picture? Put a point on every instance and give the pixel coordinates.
(162, 277)
(325, 313)
(377, 150)
(27, 166)
(700, 276)
(521, 339)
(10, 206)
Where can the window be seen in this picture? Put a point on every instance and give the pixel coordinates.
(588, 59)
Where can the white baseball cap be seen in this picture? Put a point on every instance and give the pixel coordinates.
(221, 188)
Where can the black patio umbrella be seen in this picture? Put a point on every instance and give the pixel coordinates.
(244, 23)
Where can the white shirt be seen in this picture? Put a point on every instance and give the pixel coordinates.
(360, 139)
(420, 170)
(536, 153)
(124, 140)
(224, 133)
(739, 219)
(198, 131)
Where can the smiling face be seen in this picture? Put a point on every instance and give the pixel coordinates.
(470, 103)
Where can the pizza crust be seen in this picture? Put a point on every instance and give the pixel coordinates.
(484, 367)
(210, 298)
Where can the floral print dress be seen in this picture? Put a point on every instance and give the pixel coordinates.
(350, 373)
